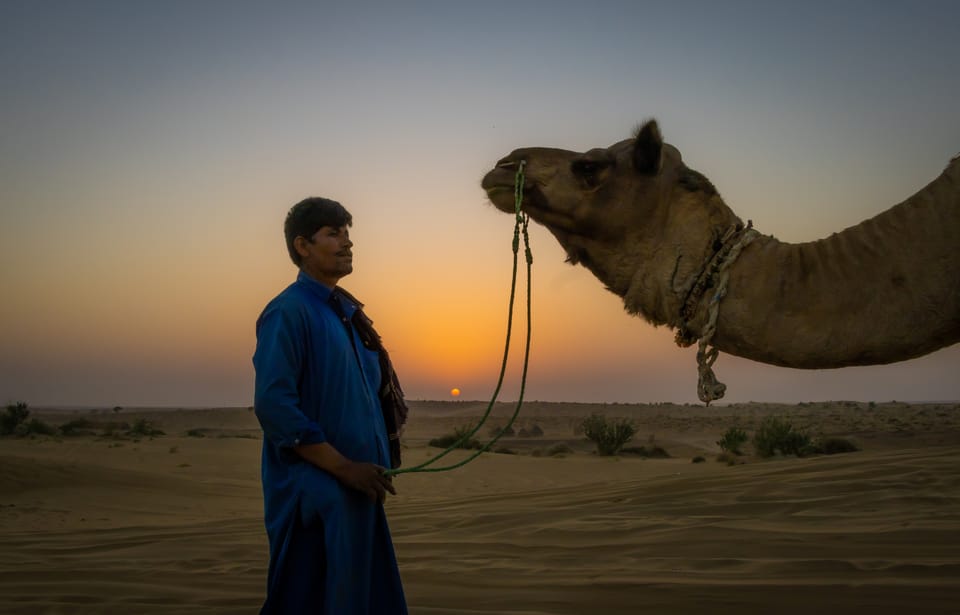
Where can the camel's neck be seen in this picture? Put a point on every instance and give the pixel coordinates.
(885, 290)
(670, 274)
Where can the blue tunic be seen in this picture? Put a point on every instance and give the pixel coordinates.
(330, 547)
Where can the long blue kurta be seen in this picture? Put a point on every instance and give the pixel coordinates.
(330, 547)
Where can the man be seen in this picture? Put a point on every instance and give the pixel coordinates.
(323, 381)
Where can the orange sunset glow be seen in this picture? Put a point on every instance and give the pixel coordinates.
(144, 183)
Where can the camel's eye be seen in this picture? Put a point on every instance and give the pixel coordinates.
(588, 170)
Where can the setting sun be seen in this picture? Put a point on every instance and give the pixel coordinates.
(455, 392)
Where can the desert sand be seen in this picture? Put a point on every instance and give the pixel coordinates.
(172, 524)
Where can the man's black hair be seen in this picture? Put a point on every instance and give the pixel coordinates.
(310, 215)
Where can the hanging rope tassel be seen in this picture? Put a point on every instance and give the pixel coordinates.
(520, 227)
(708, 388)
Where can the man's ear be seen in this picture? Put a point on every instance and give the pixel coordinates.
(300, 245)
(647, 147)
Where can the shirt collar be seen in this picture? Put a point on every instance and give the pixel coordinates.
(321, 290)
(329, 295)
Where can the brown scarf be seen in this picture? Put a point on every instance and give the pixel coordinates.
(391, 395)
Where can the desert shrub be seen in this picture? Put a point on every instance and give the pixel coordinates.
(608, 435)
(496, 429)
(776, 435)
(832, 446)
(459, 435)
(77, 427)
(14, 416)
(733, 440)
(35, 427)
(196, 432)
(144, 428)
(698, 459)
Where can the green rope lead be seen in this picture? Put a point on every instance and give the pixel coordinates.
(521, 224)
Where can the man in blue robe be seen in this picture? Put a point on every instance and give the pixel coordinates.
(326, 442)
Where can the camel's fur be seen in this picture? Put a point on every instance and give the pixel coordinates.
(885, 290)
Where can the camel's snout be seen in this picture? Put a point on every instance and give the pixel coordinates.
(499, 183)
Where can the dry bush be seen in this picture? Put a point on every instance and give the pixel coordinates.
(609, 435)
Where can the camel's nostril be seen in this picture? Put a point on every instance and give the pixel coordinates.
(506, 163)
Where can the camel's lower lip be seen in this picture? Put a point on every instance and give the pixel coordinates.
(504, 198)
(493, 190)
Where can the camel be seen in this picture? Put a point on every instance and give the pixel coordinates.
(659, 236)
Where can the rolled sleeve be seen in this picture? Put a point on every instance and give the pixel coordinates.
(278, 362)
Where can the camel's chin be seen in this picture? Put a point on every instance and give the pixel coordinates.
(501, 199)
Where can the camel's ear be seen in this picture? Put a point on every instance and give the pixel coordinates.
(646, 148)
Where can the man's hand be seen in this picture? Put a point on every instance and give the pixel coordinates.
(367, 478)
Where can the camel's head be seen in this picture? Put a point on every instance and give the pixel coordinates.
(632, 213)
(600, 195)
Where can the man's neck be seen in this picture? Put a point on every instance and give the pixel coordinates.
(328, 281)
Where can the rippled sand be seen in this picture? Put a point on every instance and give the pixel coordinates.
(173, 524)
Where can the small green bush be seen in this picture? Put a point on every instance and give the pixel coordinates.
(144, 428)
(458, 436)
(77, 427)
(776, 435)
(15, 415)
(608, 435)
(35, 427)
(733, 441)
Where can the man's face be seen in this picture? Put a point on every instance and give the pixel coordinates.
(327, 256)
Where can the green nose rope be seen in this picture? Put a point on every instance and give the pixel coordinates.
(520, 225)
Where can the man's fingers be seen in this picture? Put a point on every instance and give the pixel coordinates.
(388, 484)
(372, 482)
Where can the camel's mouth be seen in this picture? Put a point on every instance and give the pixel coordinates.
(500, 186)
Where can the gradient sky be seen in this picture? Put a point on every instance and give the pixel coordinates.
(150, 150)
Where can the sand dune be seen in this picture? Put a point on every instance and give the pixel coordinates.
(173, 525)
